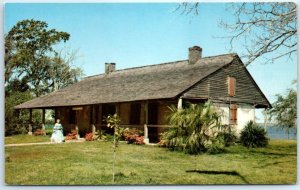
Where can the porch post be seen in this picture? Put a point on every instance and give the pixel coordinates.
(30, 122)
(118, 109)
(179, 105)
(93, 120)
(55, 114)
(146, 139)
(93, 129)
(43, 121)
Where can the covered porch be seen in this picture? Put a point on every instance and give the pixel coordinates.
(149, 116)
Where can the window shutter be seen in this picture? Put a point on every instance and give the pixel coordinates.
(231, 86)
(233, 114)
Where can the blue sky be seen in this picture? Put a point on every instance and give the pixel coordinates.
(140, 34)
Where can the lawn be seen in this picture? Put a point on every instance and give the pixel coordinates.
(17, 139)
(90, 163)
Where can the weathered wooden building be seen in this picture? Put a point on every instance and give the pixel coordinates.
(141, 95)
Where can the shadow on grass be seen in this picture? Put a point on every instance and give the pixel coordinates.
(233, 173)
(273, 164)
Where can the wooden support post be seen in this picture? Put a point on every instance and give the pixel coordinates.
(55, 115)
(30, 122)
(179, 105)
(118, 109)
(43, 121)
(93, 129)
(146, 138)
(77, 131)
(265, 120)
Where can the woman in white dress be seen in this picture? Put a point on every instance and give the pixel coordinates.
(57, 135)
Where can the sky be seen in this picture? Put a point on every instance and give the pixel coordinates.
(138, 34)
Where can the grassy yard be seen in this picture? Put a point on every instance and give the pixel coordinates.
(90, 163)
(17, 139)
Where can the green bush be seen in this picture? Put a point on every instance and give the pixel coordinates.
(217, 145)
(192, 128)
(229, 138)
(253, 136)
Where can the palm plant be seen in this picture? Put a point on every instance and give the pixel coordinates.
(192, 128)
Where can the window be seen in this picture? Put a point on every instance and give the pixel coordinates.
(72, 116)
(135, 113)
(233, 114)
(231, 86)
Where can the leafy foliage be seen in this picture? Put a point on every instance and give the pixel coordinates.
(253, 136)
(72, 135)
(284, 110)
(228, 137)
(39, 132)
(133, 135)
(113, 121)
(33, 67)
(192, 128)
(11, 115)
(217, 145)
(89, 137)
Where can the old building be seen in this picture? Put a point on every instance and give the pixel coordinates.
(141, 95)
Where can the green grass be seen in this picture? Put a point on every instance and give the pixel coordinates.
(17, 139)
(90, 163)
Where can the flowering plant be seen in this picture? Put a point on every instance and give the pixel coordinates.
(89, 137)
(72, 135)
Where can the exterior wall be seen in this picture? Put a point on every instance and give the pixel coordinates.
(245, 113)
(215, 86)
(163, 111)
(125, 113)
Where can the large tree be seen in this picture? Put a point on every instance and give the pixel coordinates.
(31, 59)
(33, 67)
(266, 30)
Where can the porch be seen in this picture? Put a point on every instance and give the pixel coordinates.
(148, 116)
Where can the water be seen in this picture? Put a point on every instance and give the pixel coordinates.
(279, 133)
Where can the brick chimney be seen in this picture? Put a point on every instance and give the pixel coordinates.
(110, 67)
(195, 53)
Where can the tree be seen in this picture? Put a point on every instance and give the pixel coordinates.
(33, 67)
(30, 57)
(266, 29)
(113, 121)
(284, 110)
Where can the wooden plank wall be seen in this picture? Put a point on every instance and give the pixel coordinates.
(215, 86)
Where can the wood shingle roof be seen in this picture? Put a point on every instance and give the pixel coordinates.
(166, 80)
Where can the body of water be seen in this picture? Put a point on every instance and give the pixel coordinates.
(279, 133)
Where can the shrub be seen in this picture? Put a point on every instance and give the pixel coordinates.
(192, 128)
(133, 135)
(253, 136)
(89, 137)
(38, 132)
(49, 132)
(72, 135)
(139, 140)
(229, 138)
(162, 142)
(109, 138)
(100, 135)
(217, 146)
